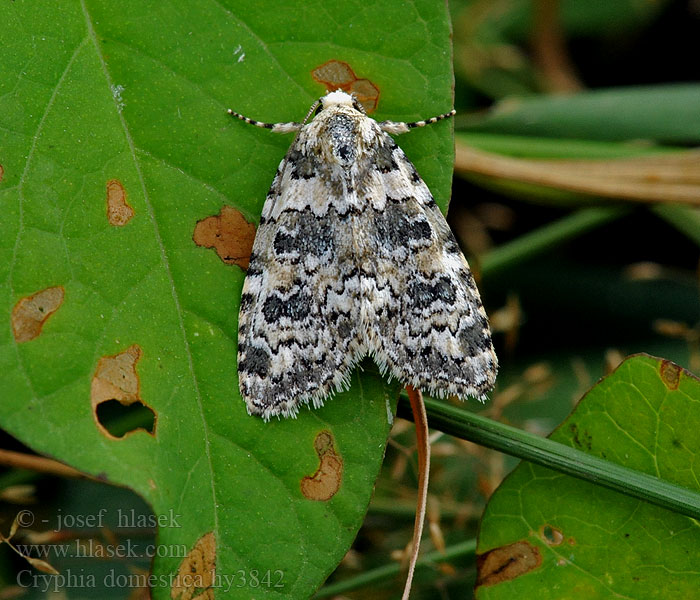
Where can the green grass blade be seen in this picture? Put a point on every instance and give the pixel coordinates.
(556, 456)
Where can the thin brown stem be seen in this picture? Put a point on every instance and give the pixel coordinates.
(550, 52)
(420, 418)
(40, 464)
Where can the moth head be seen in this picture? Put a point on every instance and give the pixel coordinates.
(339, 98)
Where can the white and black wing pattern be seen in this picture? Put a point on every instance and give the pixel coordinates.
(353, 257)
(429, 327)
(299, 314)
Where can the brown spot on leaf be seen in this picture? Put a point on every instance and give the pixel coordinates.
(229, 234)
(196, 576)
(507, 562)
(325, 482)
(366, 93)
(116, 382)
(670, 374)
(2, 172)
(119, 212)
(551, 535)
(338, 75)
(31, 312)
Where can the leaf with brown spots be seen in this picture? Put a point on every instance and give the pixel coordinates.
(593, 542)
(120, 107)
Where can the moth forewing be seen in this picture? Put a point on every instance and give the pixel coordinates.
(353, 257)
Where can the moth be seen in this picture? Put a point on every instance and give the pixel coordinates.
(353, 257)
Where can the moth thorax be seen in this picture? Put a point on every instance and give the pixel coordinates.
(342, 133)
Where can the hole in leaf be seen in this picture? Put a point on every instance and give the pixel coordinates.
(551, 535)
(116, 382)
(120, 419)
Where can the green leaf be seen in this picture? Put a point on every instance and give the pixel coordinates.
(662, 113)
(563, 537)
(527, 146)
(129, 98)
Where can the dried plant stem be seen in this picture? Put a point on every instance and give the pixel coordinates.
(420, 418)
(40, 464)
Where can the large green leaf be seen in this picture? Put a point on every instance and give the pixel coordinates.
(548, 535)
(129, 98)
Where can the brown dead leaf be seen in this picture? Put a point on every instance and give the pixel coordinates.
(661, 178)
(41, 565)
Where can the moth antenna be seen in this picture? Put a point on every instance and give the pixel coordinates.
(314, 106)
(274, 127)
(397, 127)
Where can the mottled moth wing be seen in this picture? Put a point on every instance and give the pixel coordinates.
(353, 257)
(429, 325)
(299, 308)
